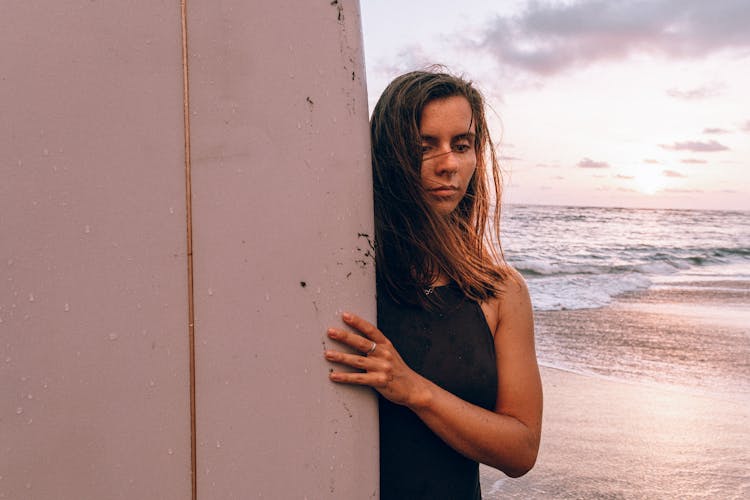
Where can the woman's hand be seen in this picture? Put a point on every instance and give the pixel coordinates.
(506, 438)
(382, 367)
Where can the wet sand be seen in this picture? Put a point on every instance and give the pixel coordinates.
(605, 437)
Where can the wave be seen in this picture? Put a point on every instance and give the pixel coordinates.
(728, 252)
(584, 285)
(576, 258)
(657, 263)
(539, 268)
(555, 293)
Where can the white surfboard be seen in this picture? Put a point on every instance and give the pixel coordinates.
(99, 284)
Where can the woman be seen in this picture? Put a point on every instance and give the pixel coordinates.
(453, 359)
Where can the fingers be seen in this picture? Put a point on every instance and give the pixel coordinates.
(377, 380)
(357, 342)
(354, 360)
(366, 328)
(373, 373)
(373, 359)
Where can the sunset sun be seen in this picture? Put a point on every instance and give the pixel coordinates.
(648, 181)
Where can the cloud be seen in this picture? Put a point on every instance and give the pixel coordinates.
(510, 158)
(715, 131)
(682, 191)
(703, 92)
(745, 126)
(651, 161)
(548, 38)
(626, 177)
(692, 161)
(589, 163)
(696, 146)
(409, 58)
(673, 173)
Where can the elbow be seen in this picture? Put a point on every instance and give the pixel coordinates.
(523, 461)
(522, 466)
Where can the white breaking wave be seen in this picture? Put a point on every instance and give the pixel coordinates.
(579, 258)
(582, 292)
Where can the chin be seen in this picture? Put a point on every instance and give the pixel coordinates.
(444, 205)
(444, 210)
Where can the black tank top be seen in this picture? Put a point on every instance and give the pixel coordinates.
(453, 347)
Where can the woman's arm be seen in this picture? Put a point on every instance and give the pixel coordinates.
(507, 438)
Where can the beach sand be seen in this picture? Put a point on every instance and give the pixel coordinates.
(605, 437)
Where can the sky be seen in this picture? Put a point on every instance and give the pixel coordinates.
(592, 102)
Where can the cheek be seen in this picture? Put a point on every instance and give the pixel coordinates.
(423, 174)
(470, 169)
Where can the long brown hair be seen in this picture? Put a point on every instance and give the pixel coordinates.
(413, 244)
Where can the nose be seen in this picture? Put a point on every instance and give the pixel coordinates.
(446, 163)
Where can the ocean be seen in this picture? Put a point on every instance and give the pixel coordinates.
(643, 337)
(690, 263)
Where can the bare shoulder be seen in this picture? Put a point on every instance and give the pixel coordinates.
(514, 298)
(513, 301)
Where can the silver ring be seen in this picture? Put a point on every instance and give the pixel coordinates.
(372, 349)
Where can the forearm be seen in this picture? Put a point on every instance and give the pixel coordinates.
(499, 440)
(507, 439)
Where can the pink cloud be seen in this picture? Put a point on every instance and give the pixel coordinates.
(703, 92)
(589, 163)
(682, 191)
(410, 57)
(548, 37)
(693, 161)
(673, 173)
(696, 146)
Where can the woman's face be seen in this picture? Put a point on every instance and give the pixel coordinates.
(448, 156)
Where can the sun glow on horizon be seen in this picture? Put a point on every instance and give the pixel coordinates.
(647, 181)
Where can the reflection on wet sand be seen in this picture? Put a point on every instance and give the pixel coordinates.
(659, 408)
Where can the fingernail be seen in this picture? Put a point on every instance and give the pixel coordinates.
(331, 333)
(347, 316)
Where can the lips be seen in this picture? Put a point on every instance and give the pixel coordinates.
(443, 190)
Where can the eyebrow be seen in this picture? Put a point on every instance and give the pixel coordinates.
(468, 135)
